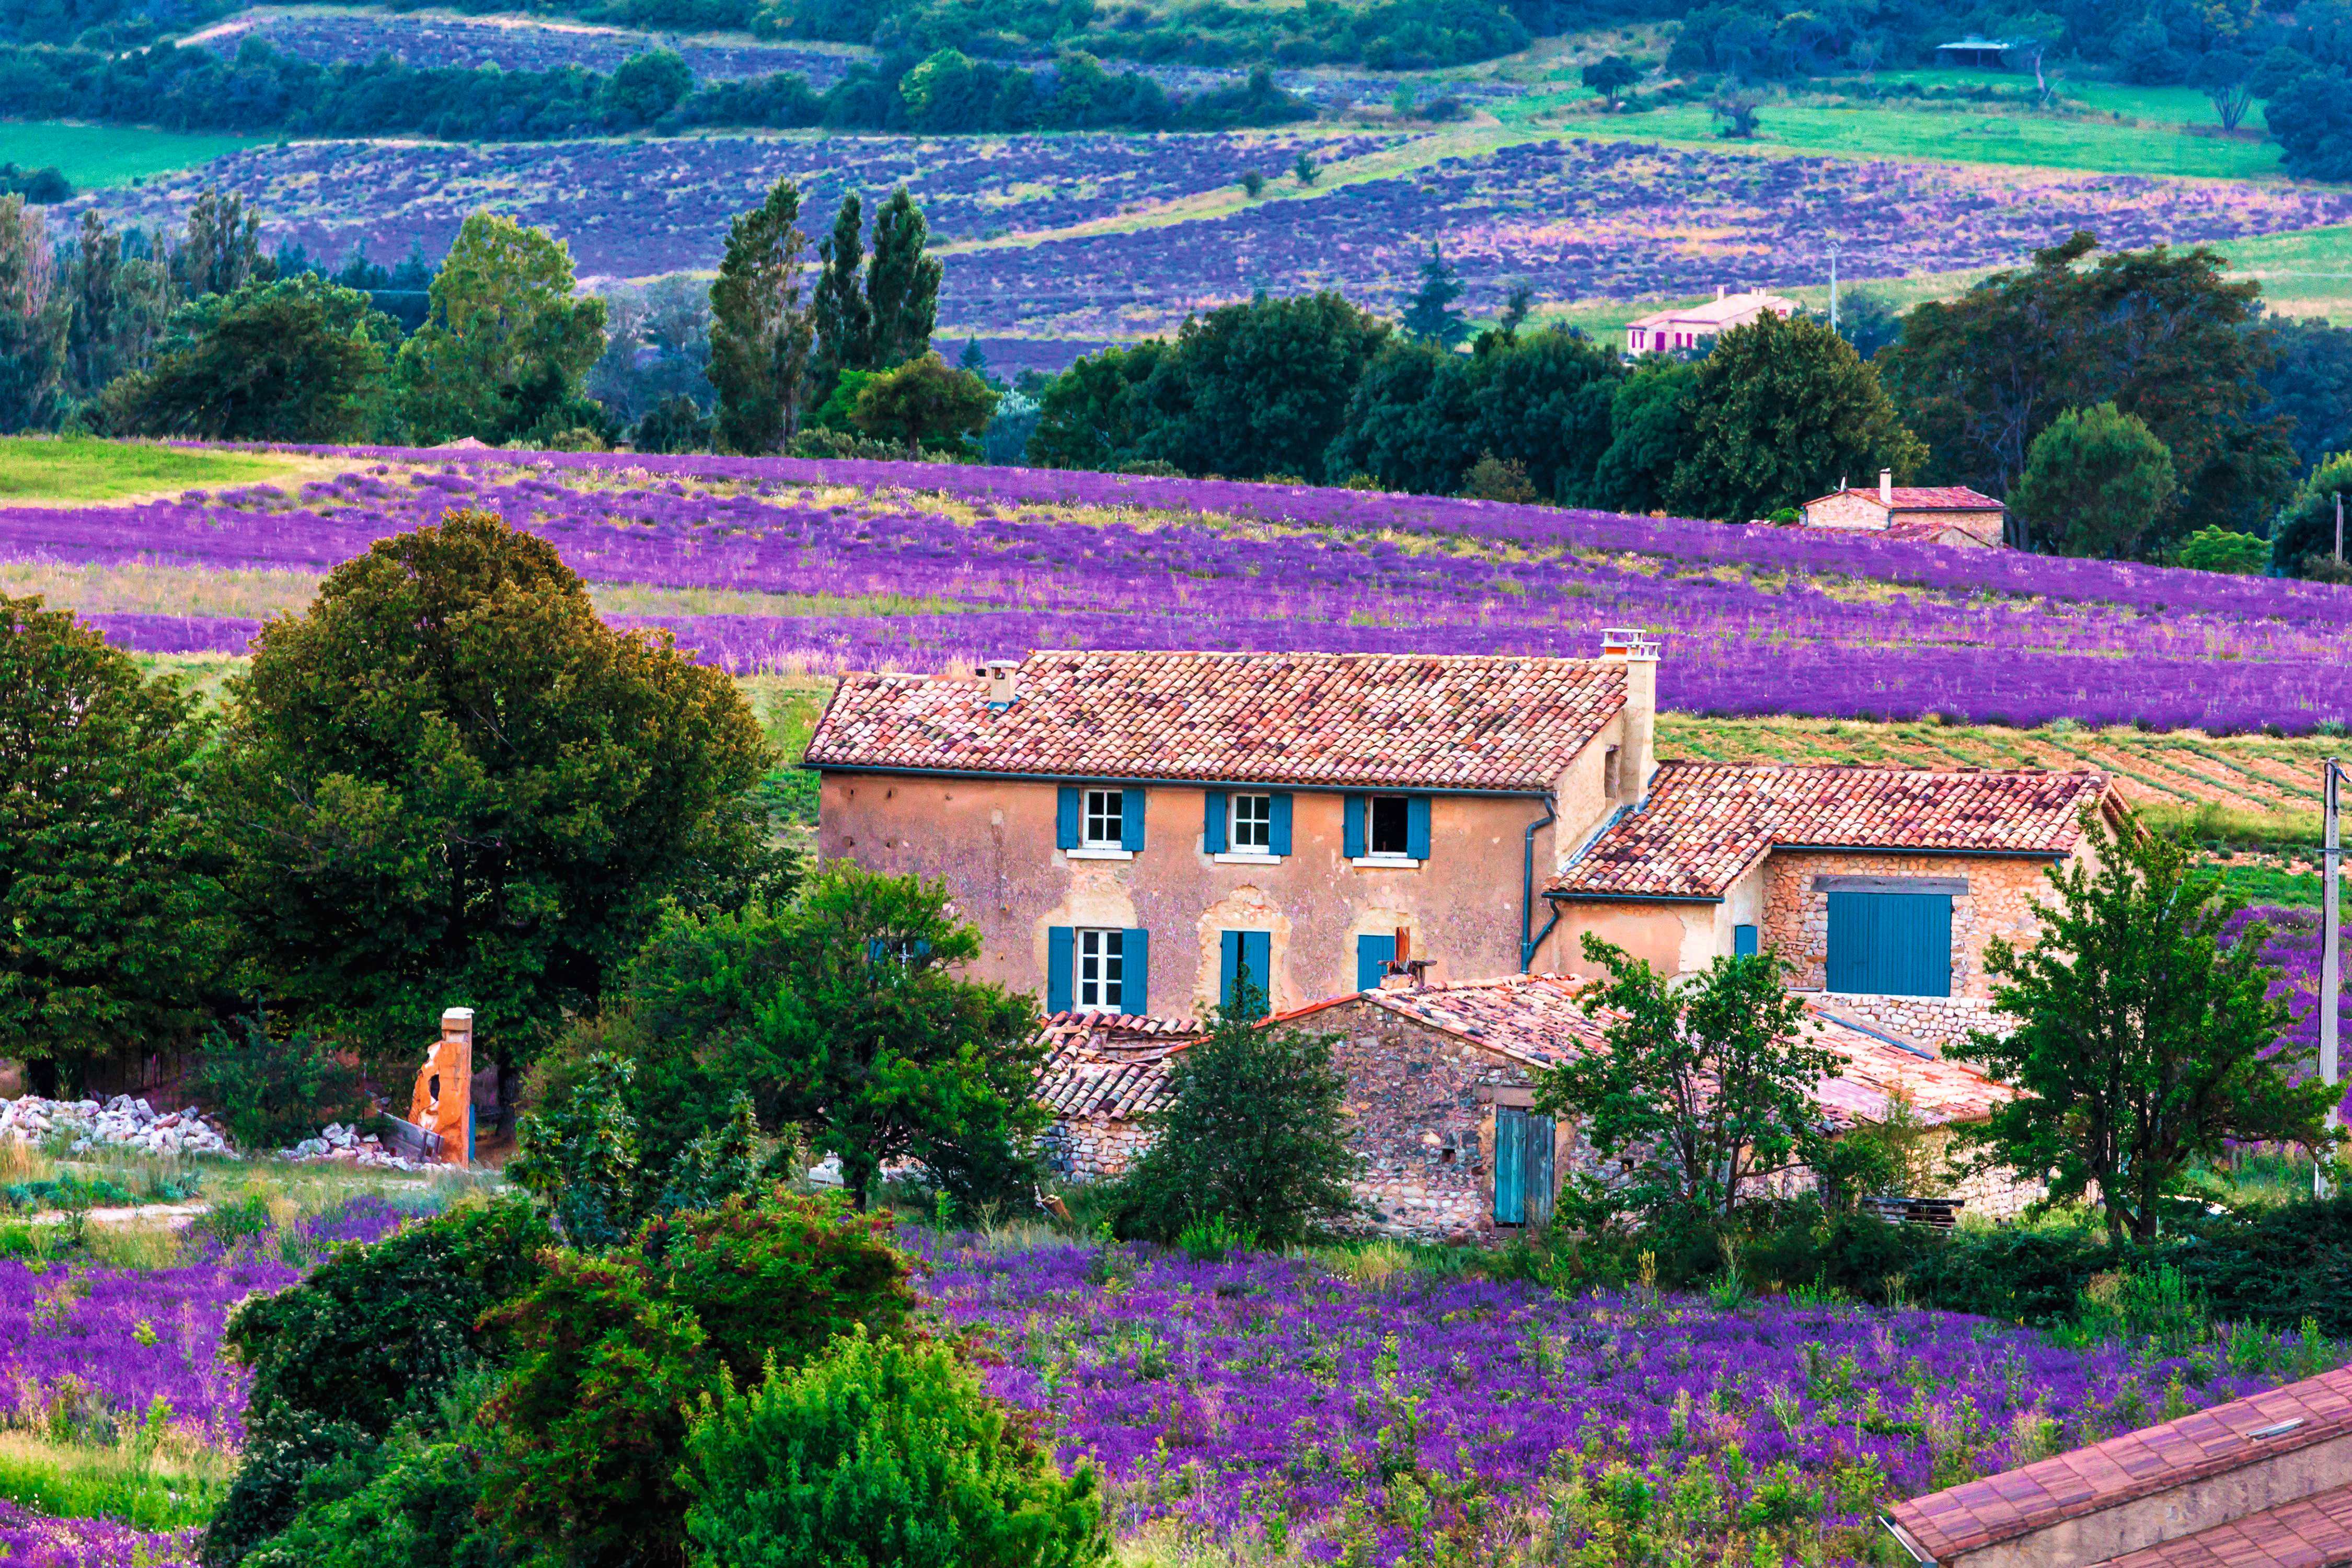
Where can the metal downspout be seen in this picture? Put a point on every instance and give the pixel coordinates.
(1529, 941)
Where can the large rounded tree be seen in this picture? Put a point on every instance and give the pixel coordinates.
(1782, 411)
(449, 784)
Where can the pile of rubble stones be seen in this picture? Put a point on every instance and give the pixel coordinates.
(124, 1122)
(340, 1142)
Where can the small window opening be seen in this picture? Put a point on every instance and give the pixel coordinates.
(1388, 832)
(1104, 817)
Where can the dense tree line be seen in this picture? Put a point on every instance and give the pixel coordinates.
(2151, 368)
(264, 89)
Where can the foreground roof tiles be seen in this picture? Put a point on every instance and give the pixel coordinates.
(1704, 824)
(1308, 719)
(2310, 1532)
(1110, 1067)
(2137, 1465)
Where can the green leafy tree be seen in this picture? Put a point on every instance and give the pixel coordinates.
(1096, 414)
(1257, 388)
(1649, 433)
(1430, 316)
(1781, 409)
(34, 317)
(220, 250)
(2224, 549)
(450, 780)
(110, 928)
(882, 1453)
(2161, 334)
(645, 87)
(902, 284)
(1703, 1088)
(615, 1353)
(2304, 533)
(839, 315)
(300, 359)
(1610, 77)
(761, 334)
(2095, 484)
(841, 1014)
(119, 303)
(502, 354)
(274, 1092)
(927, 402)
(1255, 1134)
(2144, 1042)
(1420, 418)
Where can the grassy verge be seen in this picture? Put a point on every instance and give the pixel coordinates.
(41, 468)
(109, 154)
(171, 1484)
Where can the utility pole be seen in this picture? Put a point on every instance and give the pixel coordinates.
(2339, 494)
(2331, 943)
(1834, 327)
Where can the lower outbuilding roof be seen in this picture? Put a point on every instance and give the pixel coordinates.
(1703, 825)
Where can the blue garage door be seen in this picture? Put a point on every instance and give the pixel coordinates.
(1892, 944)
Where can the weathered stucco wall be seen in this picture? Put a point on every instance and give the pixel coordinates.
(1999, 902)
(992, 843)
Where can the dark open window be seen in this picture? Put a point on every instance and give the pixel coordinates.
(1390, 828)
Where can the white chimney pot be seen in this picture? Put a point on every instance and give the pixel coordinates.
(1887, 487)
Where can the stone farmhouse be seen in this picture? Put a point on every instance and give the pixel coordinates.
(2260, 1483)
(1408, 850)
(1697, 326)
(1920, 515)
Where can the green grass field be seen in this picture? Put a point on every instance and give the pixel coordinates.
(37, 468)
(108, 155)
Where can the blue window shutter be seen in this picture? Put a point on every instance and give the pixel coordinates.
(1535, 1166)
(1061, 952)
(1352, 830)
(1213, 823)
(1130, 821)
(1896, 944)
(1372, 953)
(1280, 832)
(1066, 819)
(1229, 963)
(1416, 826)
(1257, 957)
(1510, 1144)
(1743, 942)
(1135, 972)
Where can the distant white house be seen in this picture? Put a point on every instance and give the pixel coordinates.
(1696, 326)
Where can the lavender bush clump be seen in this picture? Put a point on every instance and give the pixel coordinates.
(29, 1541)
(925, 566)
(1263, 1398)
(84, 1343)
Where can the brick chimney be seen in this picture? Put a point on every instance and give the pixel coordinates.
(1630, 647)
(1887, 487)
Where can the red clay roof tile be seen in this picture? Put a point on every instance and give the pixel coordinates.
(2310, 1532)
(1704, 824)
(1310, 719)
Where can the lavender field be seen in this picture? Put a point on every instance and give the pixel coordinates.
(775, 564)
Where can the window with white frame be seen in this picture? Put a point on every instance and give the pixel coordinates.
(1101, 824)
(1102, 968)
(1253, 824)
(1389, 831)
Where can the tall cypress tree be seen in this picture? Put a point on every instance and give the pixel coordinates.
(843, 321)
(760, 332)
(1430, 315)
(903, 285)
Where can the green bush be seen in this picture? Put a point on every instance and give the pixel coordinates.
(272, 1092)
(2217, 549)
(614, 1352)
(882, 1454)
(2285, 1265)
(263, 1498)
(381, 1330)
(409, 1503)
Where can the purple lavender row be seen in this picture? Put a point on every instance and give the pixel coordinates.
(30, 1541)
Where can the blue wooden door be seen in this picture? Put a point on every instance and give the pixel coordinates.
(1894, 944)
(1523, 1183)
(1372, 956)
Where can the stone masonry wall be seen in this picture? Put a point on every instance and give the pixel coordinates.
(1999, 902)
(1083, 1149)
(1939, 1023)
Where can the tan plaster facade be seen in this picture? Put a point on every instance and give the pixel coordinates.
(993, 842)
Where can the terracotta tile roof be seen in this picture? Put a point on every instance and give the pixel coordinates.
(2125, 1469)
(1920, 498)
(2310, 1532)
(1308, 719)
(1704, 824)
(1541, 1019)
(1108, 1066)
